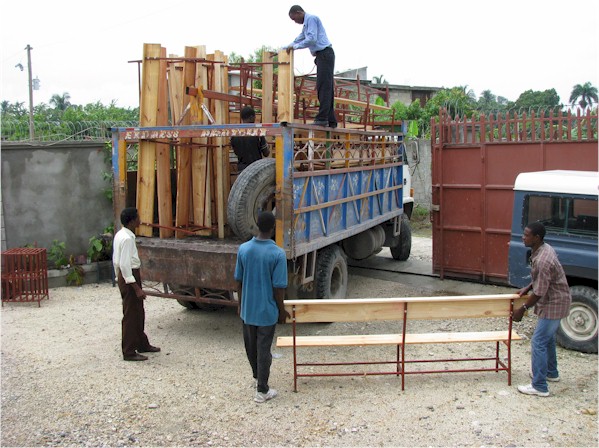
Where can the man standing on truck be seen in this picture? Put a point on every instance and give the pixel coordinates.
(261, 275)
(550, 295)
(126, 269)
(314, 37)
(248, 149)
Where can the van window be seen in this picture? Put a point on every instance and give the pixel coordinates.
(562, 215)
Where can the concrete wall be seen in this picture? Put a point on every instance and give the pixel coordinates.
(420, 166)
(53, 192)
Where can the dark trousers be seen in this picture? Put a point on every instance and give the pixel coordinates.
(257, 347)
(134, 317)
(325, 85)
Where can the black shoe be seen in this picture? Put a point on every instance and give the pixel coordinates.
(320, 123)
(150, 349)
(136, 357)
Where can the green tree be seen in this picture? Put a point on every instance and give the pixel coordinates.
(537, 100)
(61, 102)
(585, 94)
(379, 80)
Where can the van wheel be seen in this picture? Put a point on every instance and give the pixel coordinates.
(252, 192)
(331, 273)
(578, 330)
(401, 251)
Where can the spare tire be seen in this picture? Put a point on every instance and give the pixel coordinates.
(252, 192)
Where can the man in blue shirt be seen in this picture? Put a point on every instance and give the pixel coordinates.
(314, 37)
(261, 275)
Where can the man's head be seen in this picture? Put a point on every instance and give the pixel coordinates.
(296, 13)
(248, 114)
(129, 217)
(266, 222)
(534, 233)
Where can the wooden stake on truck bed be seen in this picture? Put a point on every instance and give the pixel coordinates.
(182, 218)
(146, 174)
(163, 158)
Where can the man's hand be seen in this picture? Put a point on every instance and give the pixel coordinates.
(289, 49)
(523, 291)
(139, 292)
(283, 316)
(518, 314)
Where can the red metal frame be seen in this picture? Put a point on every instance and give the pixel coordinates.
(401, 361)
(24, 275)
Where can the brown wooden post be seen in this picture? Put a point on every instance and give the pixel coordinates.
(219, 117)
(146, 174)
(163, 157)
(199, 159)
(184, 160)
(267, 86)
(285, 87)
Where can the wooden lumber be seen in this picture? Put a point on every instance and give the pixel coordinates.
(199, 159)
(163, 158)
(419, 308)
(146, 174)
(183, 215)
(395, 339)
(176, 89)
(267, 86)
(219, 117)
(285, 87)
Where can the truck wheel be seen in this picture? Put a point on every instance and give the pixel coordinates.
(401, 251)
(578, 331)
(331, 273)
(252, 192)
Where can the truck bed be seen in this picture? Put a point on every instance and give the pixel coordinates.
(196, 261)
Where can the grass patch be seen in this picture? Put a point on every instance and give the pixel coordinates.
(420, 222)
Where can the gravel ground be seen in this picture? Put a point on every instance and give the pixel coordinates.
(64, 383)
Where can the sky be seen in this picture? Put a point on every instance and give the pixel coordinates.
(508, 47)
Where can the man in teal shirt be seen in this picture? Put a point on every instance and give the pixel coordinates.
(261, 275)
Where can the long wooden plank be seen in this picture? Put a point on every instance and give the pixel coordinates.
(267, 86)
(395, 339)
(146, 174)
(219, 117)
(285, 87)
(199, 158)
(419, 308)
(163, 157)
(183, 215)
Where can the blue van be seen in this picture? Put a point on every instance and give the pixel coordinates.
(566, 203)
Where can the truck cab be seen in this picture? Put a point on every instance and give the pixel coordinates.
(565, 202)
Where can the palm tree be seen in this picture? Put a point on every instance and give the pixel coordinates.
(379, 80)
(61, 102)
(585, 94)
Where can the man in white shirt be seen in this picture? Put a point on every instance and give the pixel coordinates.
(126, 269)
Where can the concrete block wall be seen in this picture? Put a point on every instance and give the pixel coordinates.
(420, 166)
(54, 192)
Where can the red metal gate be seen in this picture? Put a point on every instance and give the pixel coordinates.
(475, 165)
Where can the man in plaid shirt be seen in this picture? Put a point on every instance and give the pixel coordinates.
(550, 295)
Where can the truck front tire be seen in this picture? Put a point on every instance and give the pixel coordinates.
(401, 251)
(578, 330)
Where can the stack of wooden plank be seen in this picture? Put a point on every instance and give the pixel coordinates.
(184, 91)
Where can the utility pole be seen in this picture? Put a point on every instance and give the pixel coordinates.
(31, 128)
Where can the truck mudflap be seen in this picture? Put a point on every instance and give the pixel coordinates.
(200, 264)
